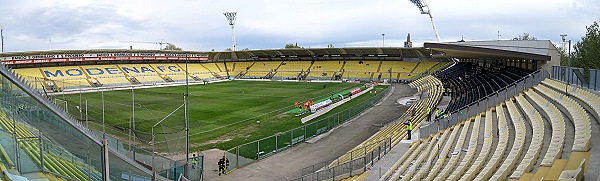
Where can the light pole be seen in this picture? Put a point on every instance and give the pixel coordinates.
(187, 124)
(383, 40)
(2, 37)
(568, 73)
(86, 115)
(231, 20)
(425, 10)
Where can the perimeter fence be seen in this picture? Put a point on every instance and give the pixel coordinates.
(245, 154)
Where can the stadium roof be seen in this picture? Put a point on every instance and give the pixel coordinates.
(374, 53)
(502, 49)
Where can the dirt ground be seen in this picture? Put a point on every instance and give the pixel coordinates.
(288, 164)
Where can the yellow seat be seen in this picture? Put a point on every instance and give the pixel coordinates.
(556, 169)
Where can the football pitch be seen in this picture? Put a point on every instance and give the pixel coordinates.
(221, 115)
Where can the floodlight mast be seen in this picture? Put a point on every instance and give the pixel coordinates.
(231, 20)
(422, 5)
(2, 37)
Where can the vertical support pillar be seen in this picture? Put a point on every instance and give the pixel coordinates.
(41, 149)
(237, 157)
(106, 162)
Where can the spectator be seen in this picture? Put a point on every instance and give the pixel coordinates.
(221, 166)
(194, 161)
(428, 111)
(409, 128)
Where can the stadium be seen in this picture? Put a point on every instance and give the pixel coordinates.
(466, 110)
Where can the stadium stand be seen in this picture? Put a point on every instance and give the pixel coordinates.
(396, 131)
(74, 77)
(118, 75)
(400, 69)
(520, 117)
(360, 69)
(472, 171)
(170, 72)
(62, 164)
(198, 72)
(144, 73)
(66, 76)
(265, 66)
(238, 68)
(591, 99)
(107, 75)
(576, 113)
(261, 70)
(30, 74)
(292, 68)
(469, 83)
(557, 124)
(326, 69)
(424, 66)
(217, 69)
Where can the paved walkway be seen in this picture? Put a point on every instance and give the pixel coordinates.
(288, 164)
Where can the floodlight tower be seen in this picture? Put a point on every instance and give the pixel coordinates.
(231, 19)
(425, 10)
(569, 71)
(2, 37)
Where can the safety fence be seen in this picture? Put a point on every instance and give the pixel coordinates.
(250, 152)
(483, 104)
(577, 76)
(68, 140)
(139, 149)
(356, 165)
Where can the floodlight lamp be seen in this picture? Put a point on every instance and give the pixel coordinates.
(230, 17)
(420, 4)
(563, 37)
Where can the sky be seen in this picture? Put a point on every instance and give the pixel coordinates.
(199, 25)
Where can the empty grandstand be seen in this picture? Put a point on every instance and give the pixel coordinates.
(526, 157)
(27, 122)
(467, 83)
(505, 118)
(504, 121)
(114, 68)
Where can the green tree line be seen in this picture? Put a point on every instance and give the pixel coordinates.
(586, 52)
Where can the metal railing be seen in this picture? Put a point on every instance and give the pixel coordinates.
(590, 80)
(47, 117)
(353, 167)
(484, 103)
(250, 152)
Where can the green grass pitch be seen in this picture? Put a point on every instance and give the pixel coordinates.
(222, 115)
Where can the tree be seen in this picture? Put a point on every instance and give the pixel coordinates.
(525, 36)
(228, 49)
(564, 57)
(330, 45)
(172, 47)
(587, 51)
(291, 45)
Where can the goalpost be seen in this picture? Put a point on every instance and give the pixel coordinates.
(62, 104)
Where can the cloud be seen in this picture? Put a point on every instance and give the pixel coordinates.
(200, 25)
